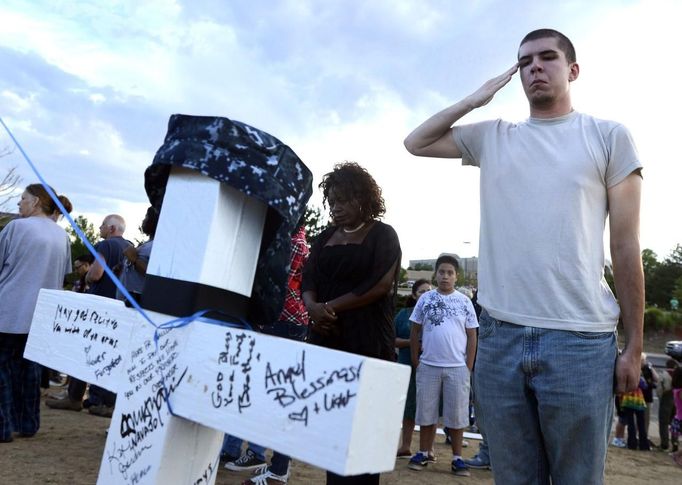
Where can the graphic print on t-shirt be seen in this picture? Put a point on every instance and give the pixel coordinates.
(439, 308)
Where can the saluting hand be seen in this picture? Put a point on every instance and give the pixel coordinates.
(485, 93)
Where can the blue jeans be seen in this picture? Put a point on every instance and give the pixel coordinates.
(545, 400)
(19, 388)
(232, 446)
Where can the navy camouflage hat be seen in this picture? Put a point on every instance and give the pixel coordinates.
(255, 163)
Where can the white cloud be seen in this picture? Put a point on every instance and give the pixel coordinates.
(335, 80)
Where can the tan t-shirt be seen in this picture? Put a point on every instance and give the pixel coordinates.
(543, 210)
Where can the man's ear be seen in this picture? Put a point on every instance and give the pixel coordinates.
(574, 71)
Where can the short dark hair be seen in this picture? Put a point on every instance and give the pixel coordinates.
(417, 284)
(85, 258)
(150, 221)
(446, 258)
(563, 42)
(354, 182)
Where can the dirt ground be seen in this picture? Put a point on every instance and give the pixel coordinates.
(69, 445)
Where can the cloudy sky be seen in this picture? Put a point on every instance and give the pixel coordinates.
(87, 88)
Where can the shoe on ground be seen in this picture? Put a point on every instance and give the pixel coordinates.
(225, 457)
(66, 403)
(264, 476)
(8, 440)
(618, 443)
(101, 410)
(478, 463)
(403, 455)
(418, 462)
(248, 461)
(431, 458)
(460, 468)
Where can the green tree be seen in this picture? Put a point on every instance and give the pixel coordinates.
(423, 267)
(78, 248)
(677, 292)
(650, 264)
(314, 222)
(662, 285)
(403, 275)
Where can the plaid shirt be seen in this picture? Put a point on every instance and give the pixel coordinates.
(294, 310)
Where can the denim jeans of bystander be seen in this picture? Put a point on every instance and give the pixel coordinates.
(545, 399)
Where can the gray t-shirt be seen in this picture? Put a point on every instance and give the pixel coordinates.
(35, 253)
(543, 210)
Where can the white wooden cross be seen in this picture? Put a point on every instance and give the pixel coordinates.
(336, 410)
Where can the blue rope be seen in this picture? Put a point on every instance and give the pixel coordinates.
(169, 325)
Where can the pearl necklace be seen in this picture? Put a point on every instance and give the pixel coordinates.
(351, 231)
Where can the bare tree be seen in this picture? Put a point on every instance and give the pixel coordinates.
(8, 183)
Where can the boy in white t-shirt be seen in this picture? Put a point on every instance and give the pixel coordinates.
(445, 322)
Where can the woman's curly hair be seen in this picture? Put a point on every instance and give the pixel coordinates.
(351, 181)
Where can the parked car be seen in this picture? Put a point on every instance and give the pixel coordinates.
(674, 349)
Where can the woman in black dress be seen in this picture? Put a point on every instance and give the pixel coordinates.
(351, 278)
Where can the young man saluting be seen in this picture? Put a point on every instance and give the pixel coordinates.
(547, 350)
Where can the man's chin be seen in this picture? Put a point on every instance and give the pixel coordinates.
(541, 101)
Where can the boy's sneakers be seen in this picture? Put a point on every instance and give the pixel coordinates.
(478, 463)
(618, 443)
(264, 476)
(418, 462)
(248, 461)
(460, 468)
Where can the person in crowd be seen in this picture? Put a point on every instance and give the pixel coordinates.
(547, 335)
(621, 422)
(633, 406)
(666, 406)
(35, 253)
(651, 378)
(81, 266)
(351, 278)
(481, 460)
(293, 325)
(50, 376)
(402, 343)
(111, 248)
(444, 330)
(136, 259)
(676, 424)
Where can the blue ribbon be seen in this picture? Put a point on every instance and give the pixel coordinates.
(169, 325)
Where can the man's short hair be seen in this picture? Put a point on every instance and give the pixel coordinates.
(446, 258)
(563, 42)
